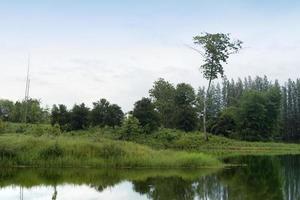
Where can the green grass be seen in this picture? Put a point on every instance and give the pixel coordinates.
(87, 151)
(217, 146)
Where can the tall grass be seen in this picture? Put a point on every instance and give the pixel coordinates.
(80, 151)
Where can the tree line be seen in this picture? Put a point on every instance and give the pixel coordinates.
(15, 111)
(249, 108)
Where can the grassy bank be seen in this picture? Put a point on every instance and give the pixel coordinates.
(84, 151)
(217, 145)
(37, 146)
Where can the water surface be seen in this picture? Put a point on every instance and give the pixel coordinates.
(260, 178)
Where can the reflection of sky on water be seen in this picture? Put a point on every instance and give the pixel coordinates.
(122, 191)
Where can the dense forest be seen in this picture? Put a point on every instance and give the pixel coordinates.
(248, 109)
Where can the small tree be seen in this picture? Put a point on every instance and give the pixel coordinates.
(217, 48)
(130, 127)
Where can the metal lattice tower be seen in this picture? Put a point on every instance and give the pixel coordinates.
(26, 92)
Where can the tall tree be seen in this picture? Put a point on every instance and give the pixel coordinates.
(61, 116)
(114, 116)
(163, 95)
(99, 112)
(217, 48)
(146, 114)
(79, 117)
(185, 106)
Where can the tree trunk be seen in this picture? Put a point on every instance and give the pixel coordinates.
(204, 111)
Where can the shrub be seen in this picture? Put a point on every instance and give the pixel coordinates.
(130, 128)
(168, 135)
(38, 130)
(21, 129)
(55, 130)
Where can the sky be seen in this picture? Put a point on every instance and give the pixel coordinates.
(81, 51)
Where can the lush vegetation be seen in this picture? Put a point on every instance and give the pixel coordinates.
(252, 109)
(82, 149)
(46, 146)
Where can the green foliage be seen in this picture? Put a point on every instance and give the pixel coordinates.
(184, 95)
(255, 117)
(106, 114)
(21, 129)
(92, 151)
(185, 110)
(61, 116)
(39, 130)
(163, 95)
(114, 115)
(226, 123)
(130, 128)
(186, 118)
(146, 114)
(55, 130)
(176, 106)
(6, 109)
(252, 114)
(79, 117)
(99, 113)
(217, 48)
(258, 114)
(15, 112)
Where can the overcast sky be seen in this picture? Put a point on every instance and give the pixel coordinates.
(82, 51)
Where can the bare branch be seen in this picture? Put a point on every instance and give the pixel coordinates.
(197, 50)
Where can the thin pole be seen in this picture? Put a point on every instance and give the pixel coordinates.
(26, 91)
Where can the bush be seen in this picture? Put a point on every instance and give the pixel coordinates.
(21, 129)
(38, 130)
(168, 135)
(51, 152)
(55, 130)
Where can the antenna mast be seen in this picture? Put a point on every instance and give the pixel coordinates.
(26, 91)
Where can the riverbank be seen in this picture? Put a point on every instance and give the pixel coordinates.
(39, 146)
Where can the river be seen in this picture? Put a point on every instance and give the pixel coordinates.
(256, 178)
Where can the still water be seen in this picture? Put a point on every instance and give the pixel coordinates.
(260, 178)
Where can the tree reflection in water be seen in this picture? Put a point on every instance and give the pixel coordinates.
(267, 178)
(262, 178)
